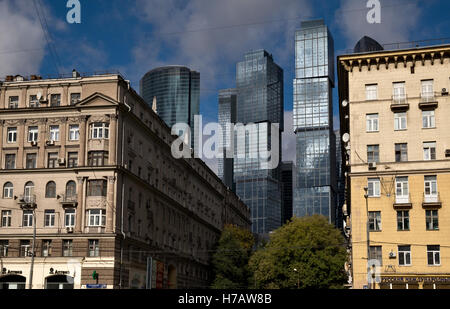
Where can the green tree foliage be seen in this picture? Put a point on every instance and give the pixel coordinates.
(230, 262)
(311, 246)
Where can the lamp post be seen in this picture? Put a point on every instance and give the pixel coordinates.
(366, 196)
(298, 278)
(33, 249)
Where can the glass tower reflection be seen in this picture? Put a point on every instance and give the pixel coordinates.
(315, 185)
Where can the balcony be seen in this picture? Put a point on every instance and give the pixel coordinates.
(70, 201)
(399, 103)
(428, 101)
(402, 201)
(432, 201)
(27, 201)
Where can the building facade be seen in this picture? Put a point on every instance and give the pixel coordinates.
(395, 107)
(87, 163)
(315, 191)
(340, 182)
(287, 177)
(260, 102)
(177, 93)
(227, 116)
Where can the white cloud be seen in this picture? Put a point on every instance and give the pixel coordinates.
(214, 52)
(22, 43)
(397, 21)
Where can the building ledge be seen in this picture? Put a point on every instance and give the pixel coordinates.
(395, 107)
(428, 105)
(432, 205)
(402, 206)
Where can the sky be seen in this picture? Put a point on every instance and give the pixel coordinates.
(209, 36)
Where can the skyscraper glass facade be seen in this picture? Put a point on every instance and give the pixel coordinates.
(259, 85)
(177, 92)
(315, 185)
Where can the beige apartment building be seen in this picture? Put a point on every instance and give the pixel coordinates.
(93, 162)
(395, 108)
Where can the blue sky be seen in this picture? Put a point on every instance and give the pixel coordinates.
(134, 36)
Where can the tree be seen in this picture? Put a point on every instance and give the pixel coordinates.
(306, 253)
(230, 262)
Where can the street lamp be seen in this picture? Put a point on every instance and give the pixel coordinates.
(366, 196)
(298, 278)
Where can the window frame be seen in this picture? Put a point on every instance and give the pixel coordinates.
(400, 120)
(70, 217)
(435, 251)
(371, 92)
(402, 219)
(9, 190)
(376, 184)
(432, 220)
(96, 219)
(372, 123)
(375, 224)
(429, 152)
(93, 247)
(33, 134)
(405, 252)
(374, 155)
(74, 132)
(11, 135)
(429, 117)
(49, 218)
(6, 218)
(401, 152)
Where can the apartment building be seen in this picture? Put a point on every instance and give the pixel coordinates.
(394, 110)
(86, 164)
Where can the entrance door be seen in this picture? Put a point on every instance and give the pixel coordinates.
(59, 282)
(12, 282)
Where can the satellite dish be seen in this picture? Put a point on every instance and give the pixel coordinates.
(39, 95)
(346, 138)
(345, 103)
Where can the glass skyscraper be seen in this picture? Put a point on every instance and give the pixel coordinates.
(315, 185)
(260, 101)
(177, 92)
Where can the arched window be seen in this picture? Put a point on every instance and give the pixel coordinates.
(8, 190)
(50, 190)
(29, 189)
(71, 189)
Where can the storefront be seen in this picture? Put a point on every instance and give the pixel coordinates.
(59, 282)
(12, 282)
(411, 282)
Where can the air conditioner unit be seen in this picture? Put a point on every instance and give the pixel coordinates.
(33, 143)
(392, 255)
(447, 153)
(69, 229)
(444, 92)
(62, 161)
(372, 166)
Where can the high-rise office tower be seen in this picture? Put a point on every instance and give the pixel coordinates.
(227, 115)
(340, 179)
(313, 121)
(260, 101)
(287, 176)
(177, 92)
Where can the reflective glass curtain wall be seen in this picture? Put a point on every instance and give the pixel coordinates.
(260, 101)
(315, 185)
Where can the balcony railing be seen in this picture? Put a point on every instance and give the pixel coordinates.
(428, 99)
(68, 200)
(399, 102)
(27, 200)
(432, 200)
(402, 201)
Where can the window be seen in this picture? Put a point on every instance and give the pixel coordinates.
(55, 100)
(402, 188)
(46, 248)
(29, 189)
(33, 134)
(432, 220)
(52, 161)
(97, 188)
(50, 190)
(12, 135)
(49, 218)
(71, 189)
(31, 160)
(428, 119)
(94, 248)
(67, 247)
(373, 153)
(429, 151)
(374, 221)
(371, 92)
(404, 255)
(372, 122)
(27, 218)
(75, 98)
(403, 220)
(431, 186)
(434, 255)
(376, 254)
(97, 158)
(74, 132)
(400, 122)
(100, 130)
(69, 218)
(374, 187)
(54, 133)
(14, 102)
(401, 152)
(399, 94)
(8, 190)
(97, 217)
(10, 161)
(6, 218)
(4, 244)
(72, 159)
(25, 248)
(34, 102)
(427, 89)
